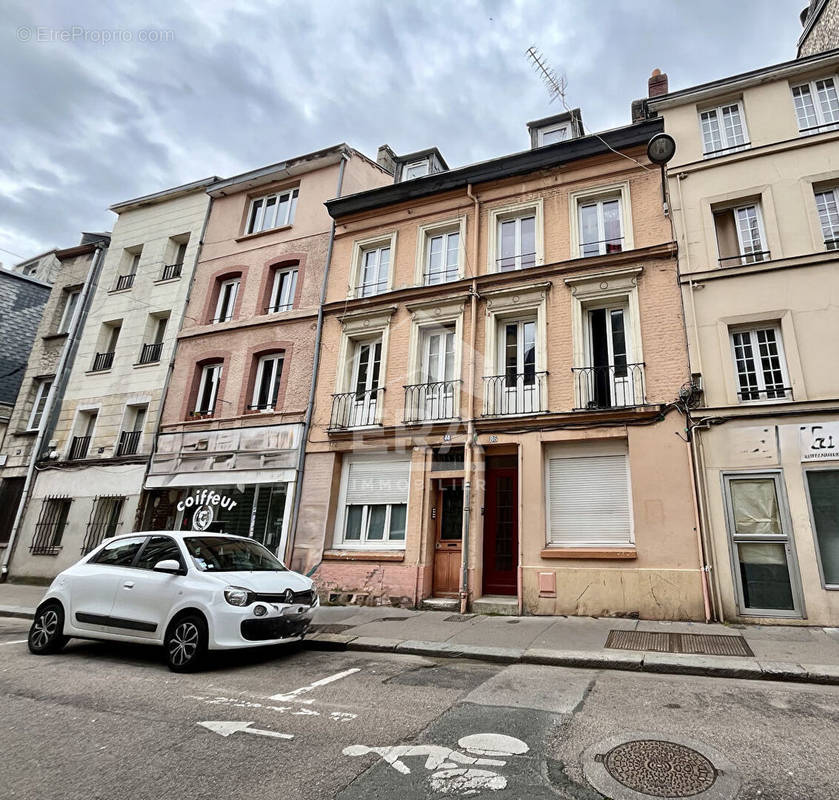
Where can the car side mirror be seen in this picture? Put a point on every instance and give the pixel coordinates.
(170, 566)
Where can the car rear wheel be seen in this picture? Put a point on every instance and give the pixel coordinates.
(47, 632)
(186, 643)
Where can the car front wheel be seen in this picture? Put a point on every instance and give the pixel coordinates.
(47, 632)
(186, 643)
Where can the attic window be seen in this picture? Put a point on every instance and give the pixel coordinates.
(416, 169)
(551, 134)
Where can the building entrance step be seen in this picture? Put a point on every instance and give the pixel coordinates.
(441, 604)
(502, 605)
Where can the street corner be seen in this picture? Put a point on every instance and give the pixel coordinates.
(472, 750)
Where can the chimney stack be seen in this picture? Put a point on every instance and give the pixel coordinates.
(386, 158)
(657, 84)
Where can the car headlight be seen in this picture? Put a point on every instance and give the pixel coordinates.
(237, 596)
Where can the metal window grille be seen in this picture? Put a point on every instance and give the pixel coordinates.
(171, 271)
(104, 520)
(151, 353)
(50, 526)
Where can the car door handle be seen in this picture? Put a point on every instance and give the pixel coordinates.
(128, 585)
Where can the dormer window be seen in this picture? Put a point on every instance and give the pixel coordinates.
(551, 134)
(416, 169)
(555, 129)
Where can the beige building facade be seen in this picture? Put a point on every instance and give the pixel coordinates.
(228, 454)
(494, 420)
(754, 188)
(90, 474)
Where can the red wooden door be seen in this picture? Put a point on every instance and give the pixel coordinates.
(501, 530)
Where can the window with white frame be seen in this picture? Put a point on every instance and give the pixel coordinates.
(723, 130)
(373, 270)
(227, 292)
(442, 257)
(600, 226)
(71, 300)
(516, 242)
(816, 106)
(759, 363)
(272, 211)
(42, 391)
(266, 387)
(205, 401)
(283, 290)
(416, 169)
(551, 134)
(827, 203)
(374, 502)
(741, 238)
(588, 494)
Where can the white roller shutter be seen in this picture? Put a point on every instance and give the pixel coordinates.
(378, 481)
(589, 501)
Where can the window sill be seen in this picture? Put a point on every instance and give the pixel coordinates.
(25, 432)
(617, 553)
(50, 336)
(98, 371)
(363, 555)
(166, 280)
(120, 291)
(246, 237)
(139, 365)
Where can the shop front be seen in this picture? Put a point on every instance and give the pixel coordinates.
(211, 481)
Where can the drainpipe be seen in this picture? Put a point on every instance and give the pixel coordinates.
(301, 456)
(52, 405)
(679, 178)
(700, 544)
(470, 426)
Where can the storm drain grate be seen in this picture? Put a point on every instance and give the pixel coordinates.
(458, 618)
(700, 644)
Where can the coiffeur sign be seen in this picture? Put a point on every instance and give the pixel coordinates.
(205, 503)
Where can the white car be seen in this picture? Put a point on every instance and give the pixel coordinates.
(186, 590)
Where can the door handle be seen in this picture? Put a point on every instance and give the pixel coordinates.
(128, 585)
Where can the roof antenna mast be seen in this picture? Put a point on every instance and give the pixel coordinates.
(556, 85)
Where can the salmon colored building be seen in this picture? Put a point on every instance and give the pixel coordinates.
(495, 414)
(228, 453)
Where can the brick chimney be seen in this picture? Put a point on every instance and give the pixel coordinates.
(386, 158)
(657, 84)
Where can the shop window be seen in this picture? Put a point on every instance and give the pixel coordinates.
(823, 491)
(759, 531)
(374, 503)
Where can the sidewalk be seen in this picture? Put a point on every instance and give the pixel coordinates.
(780, 652)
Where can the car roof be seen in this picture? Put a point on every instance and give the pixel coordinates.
(177, 535)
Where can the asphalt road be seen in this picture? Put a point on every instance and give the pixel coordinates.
(110, 721)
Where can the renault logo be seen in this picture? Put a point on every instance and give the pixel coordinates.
(288, 597)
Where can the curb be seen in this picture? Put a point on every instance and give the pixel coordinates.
(21, 612)
(656, 663)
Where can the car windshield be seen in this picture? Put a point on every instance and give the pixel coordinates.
(217, 554)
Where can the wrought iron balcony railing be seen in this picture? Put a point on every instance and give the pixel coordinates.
(102, 361)
(151, 353)
(608, 386)
(129, 441)
(79, 447)
(355, 409)
(171, 271)
(124, 282)
(752, 257)
(515, 393)
(432, 402)
(773, 393)
(602, 247)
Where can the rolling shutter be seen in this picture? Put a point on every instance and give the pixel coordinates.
(379, 481)
(589, 501)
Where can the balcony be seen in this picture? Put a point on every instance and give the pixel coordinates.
(78, 448)
(129, 441)
(150, 353)
(102, 361)
(431, 402)
(124, 282)
(608, 386)
(171, 271)
(355, 409)
(515, 393)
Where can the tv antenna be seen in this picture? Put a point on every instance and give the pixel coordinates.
(555, 84)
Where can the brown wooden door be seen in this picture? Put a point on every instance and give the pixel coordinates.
(449, 539)
(501, 530)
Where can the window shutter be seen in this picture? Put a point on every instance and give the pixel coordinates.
(589, 501)
(378, 481)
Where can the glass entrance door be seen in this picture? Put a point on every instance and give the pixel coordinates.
(766, 574)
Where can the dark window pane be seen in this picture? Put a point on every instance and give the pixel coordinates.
(159, 548)
(354, 514)
(824, 496)
(120, 553)
(765, 576)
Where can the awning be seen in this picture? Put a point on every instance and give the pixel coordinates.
(227, 478)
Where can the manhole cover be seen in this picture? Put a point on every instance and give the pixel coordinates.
(659, 768)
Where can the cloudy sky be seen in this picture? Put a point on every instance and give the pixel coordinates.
(185, 90)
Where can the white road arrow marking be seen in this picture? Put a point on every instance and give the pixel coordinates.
(312, 686)
(16, 641)
(230, 727)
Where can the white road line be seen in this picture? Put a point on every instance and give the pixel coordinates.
(16, 641)
(289, 696)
